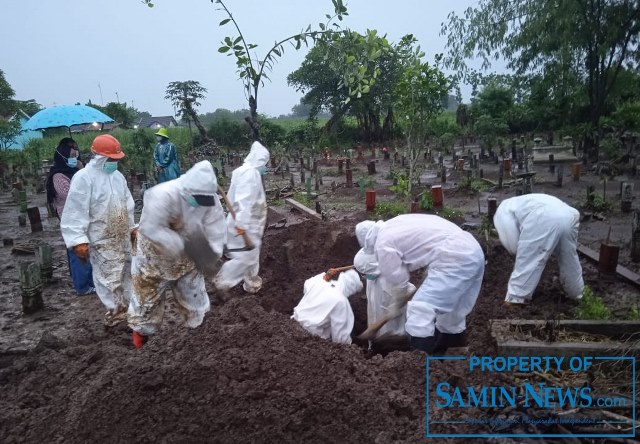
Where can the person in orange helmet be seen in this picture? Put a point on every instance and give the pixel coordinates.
(98, 221)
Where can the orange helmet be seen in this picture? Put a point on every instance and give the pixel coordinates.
(108, 146)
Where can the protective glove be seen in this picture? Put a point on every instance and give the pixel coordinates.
(331, 274)
(82, 251)
(139, 339)
(240, 231)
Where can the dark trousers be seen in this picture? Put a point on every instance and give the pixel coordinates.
(81, 273)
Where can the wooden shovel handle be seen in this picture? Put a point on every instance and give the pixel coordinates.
(332, 273)
(247, 240)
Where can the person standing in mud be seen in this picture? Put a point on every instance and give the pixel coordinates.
(65, 165)
(532, 227)
(177, 212)
(246, 194)
(165, 157)
(97, 222)
(453, 260)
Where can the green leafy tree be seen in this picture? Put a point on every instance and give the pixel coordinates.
(186, 96)
(252, 70)
(419, 98)
(592, 40)
(7, 103)
(490, 109)
(463, 120)
(119, 112)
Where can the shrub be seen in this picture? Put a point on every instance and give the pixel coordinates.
(387, 210)
(592, 307)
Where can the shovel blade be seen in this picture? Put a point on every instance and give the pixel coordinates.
(198, 249)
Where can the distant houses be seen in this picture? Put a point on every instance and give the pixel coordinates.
(157, 122)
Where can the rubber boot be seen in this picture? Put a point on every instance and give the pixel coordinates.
(138, 339)
(427, 344)
(450, 340)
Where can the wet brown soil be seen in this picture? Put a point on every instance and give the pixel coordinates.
(249, 373)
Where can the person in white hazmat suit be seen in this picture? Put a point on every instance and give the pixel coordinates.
(174, 212)
(532, 227)
(246, 194)
(98, 221)
(379, 302)
(454, 262)
(324, 310)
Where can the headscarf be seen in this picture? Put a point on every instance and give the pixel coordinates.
(63, 151)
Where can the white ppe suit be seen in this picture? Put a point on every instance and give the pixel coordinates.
(532, 227)
(453, 260)
(99, 212)
(379, 302)
(160, 263)
(249, 201)
(324, 310)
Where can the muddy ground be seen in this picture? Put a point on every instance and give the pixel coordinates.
(249, 373)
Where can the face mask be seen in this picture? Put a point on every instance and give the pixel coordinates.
(262, 170)
(158, 139)
(110, 167)
(72, 162)
(371, 277)
(192, 202)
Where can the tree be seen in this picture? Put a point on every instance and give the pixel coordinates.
(354, 74)
(302, 109)
(463, 119)
(489, 110)
(119, 112)
(185, 96)
(252, 70)
(419, 94)
(7, 104)
(592, 40)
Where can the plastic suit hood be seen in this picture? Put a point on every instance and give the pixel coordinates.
(258, 155)
(324, 310)
(167, 218)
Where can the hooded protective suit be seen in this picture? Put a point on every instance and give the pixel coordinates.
(379, 302)
(532, 227)
(452, 257)
(324, 310)
(249, 201)
(160, 262)
(99, 212)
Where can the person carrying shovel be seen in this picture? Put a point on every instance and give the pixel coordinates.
(181, 237)
(246, 219)
(453, 260)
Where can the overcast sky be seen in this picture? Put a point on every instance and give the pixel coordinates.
(66, 51)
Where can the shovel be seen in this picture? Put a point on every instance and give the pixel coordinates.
(396, 310)
(249, 245)
(197, 247)
(332, 273)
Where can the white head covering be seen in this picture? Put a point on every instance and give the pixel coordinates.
(349, 282)
(258, 155)
(366, 263)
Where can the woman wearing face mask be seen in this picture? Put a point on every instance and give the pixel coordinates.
(65, 165)
(98, 220)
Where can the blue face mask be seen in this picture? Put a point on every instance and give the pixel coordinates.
(72, 162)
(371, 277)
(262, 170)
(192, 202)
(110, 167)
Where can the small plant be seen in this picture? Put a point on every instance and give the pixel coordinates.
(426, 201)
(450, 213)
(387, 210)
(305, 199)
(474, 186)
(596, 204)
(592, 307)
(402, 185)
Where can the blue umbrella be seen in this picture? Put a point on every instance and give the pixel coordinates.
(65, 116)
